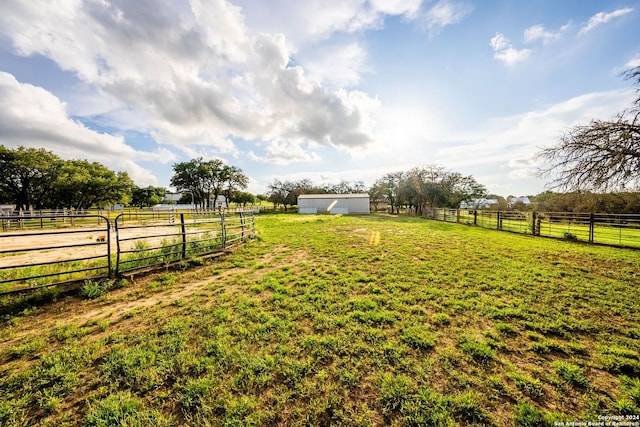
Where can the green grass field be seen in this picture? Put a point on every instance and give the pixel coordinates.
(348, 321)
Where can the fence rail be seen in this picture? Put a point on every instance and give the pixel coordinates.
(39, 251)
(620, 230)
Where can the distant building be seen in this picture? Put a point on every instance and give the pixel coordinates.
(357, 203)
(7, 209)
(515, 200)
(478, 203)
(220, 202)
(173, 198)
(171, 207)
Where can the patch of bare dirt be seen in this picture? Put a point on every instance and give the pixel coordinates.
(135, 297)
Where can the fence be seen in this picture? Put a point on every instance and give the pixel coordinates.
(39, 251)
(620, 230)
(168, 237)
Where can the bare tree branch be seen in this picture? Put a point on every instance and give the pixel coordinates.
(601, 156)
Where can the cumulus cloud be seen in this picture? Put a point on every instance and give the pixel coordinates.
(31, 116)
(306, 23)
(310, 27)
(602, 18)
(539, 32)
(446, 12)
(283, 152)
(338, 65)
(194, 72)
(505, 52)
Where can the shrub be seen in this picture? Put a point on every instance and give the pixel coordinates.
(505, 328)
(529, 386)
(529, 416)
(122, 409)
(573, 374)
(479, 351)
(467, 407)
(395, 392)
(418, 338)
(440, 319)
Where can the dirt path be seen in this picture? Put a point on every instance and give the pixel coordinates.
(115, 304)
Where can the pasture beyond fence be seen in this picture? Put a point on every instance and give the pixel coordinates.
(38, 251)
(620, 230)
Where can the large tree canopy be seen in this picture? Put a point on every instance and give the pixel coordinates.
(25, 175)
(207, 179)
(426, 187)
(31, 177)
(601, 156)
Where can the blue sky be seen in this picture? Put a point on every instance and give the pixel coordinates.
(326, 90)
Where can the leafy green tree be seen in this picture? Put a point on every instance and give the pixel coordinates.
(243, 198)
(41, 179)
(190, 176)
(81, 184)
(26, 175)
(389, 185)
(343, 187)
(147, 196)
(286, 192)
(427, 187)
(376, 195)
(206, 180)
(233, 181)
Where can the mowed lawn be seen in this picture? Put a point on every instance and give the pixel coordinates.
(345, 321)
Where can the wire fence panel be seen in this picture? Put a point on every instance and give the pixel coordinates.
(38, 251)
(487, 219)
(617, 229)
(565, 225)
(163, 238)
(607, 229)
(515, 222)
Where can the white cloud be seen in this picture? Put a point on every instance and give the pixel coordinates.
(446, 12)
(194, 75)
(338, 65)
(31, 116)
(307, 22)
(539, 32)
(633, 62)
(602, 18)
(513, 141)
(283, 152)
(505, 52)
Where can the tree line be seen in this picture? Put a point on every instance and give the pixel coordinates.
(39, 179)
(35, 177)
(418, 189)
(426, 187)
(285, 192)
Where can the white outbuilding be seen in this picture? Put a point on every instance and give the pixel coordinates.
(355, 203)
